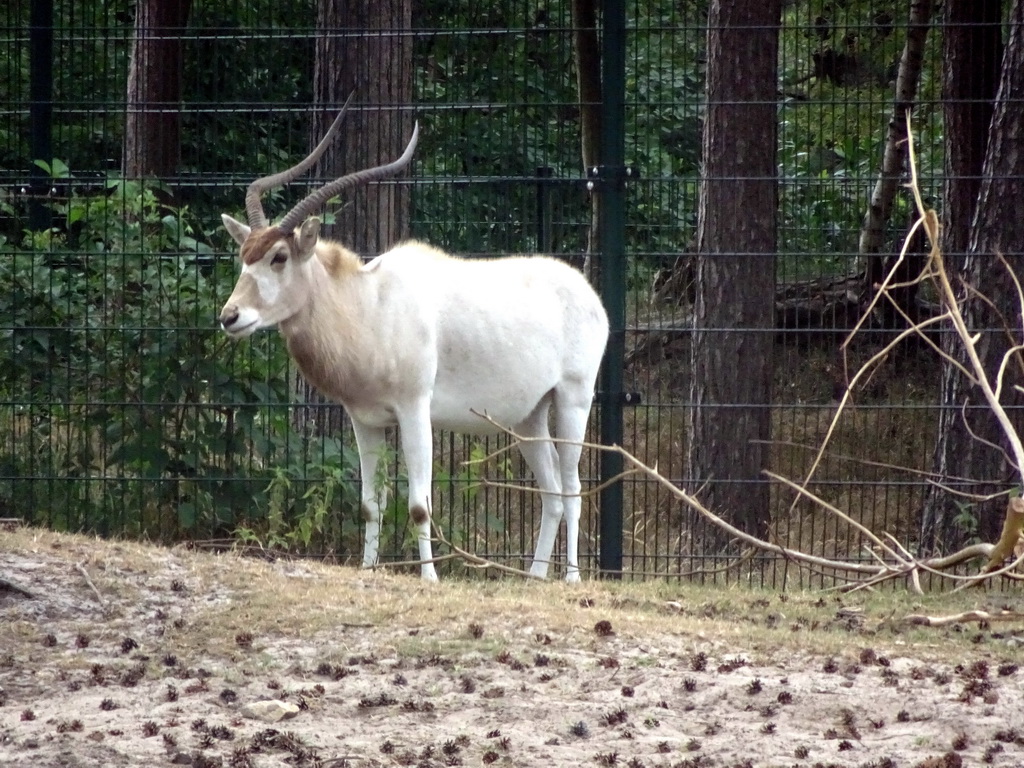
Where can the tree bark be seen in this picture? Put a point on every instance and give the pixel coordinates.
(363, 47)
(972, 52)
(880, 258)
(997, 228)
(587, 50)
(152, 140)
(736, 231)
(894, 158)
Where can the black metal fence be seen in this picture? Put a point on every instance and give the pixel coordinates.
(124, 411)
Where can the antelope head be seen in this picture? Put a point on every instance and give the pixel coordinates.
(275, 259)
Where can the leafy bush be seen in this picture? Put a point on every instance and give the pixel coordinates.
(128, 409)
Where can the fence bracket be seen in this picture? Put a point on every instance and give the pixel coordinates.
(611, 174)
(630, 398)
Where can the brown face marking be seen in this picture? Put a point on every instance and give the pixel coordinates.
(259, 242)
(419, 515)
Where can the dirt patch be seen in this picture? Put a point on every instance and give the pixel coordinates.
(387, 671)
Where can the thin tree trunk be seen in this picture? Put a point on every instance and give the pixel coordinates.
(587, 50)
(152, 142)
(736, 231)
(894, 158)
(982, 219)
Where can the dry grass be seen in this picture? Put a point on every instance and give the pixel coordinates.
(289, 599)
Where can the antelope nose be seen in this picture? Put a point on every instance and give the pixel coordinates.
(228, 316)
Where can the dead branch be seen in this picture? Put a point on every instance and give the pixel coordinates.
(901, 563)
(864, 370)
(745, 556)
(926, 475)
(1012, 527)
(980, 378)
(457, 553)
(960, 618)
(485, 483)
(477, 561)
(410, 563)
(692, 502)
(80, 567)
(841, 515)
(974, 371)
(864, 462)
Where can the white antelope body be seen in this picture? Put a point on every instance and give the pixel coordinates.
(420, 339)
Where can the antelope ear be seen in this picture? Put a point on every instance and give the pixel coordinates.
(238, 231)
(306, 239)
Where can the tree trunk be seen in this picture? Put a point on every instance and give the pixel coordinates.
(736, 230)
(363, 47)
(972, 52)
(587, 52)
(152, 143)
(894, 160)
(872, 236)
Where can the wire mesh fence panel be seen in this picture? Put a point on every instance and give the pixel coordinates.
(128, 128)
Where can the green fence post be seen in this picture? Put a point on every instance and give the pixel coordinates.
(610, 188)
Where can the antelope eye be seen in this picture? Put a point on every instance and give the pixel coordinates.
(279, 258)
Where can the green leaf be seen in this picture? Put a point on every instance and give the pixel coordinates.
(57, 169)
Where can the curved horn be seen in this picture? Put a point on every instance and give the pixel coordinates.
(314, 200)
(253, 206)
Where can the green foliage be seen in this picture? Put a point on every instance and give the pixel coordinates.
(526, 120)
(297, 520)
(967, 522)
(665, 107)
(256, 54)
(838, 63)
(88, 70)
(463, 481)
(496, 83)
(123, 394)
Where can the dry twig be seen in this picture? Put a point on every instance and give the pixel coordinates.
(80, 567)
(960, 618)
(906, 564)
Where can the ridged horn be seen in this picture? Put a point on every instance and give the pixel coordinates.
(253, 206)
(317, 198)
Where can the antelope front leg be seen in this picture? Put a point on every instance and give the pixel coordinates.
(417, 447)
(374, 491)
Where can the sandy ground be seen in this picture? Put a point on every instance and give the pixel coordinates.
(385, 672)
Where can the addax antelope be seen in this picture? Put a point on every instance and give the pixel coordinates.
(421, 339)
